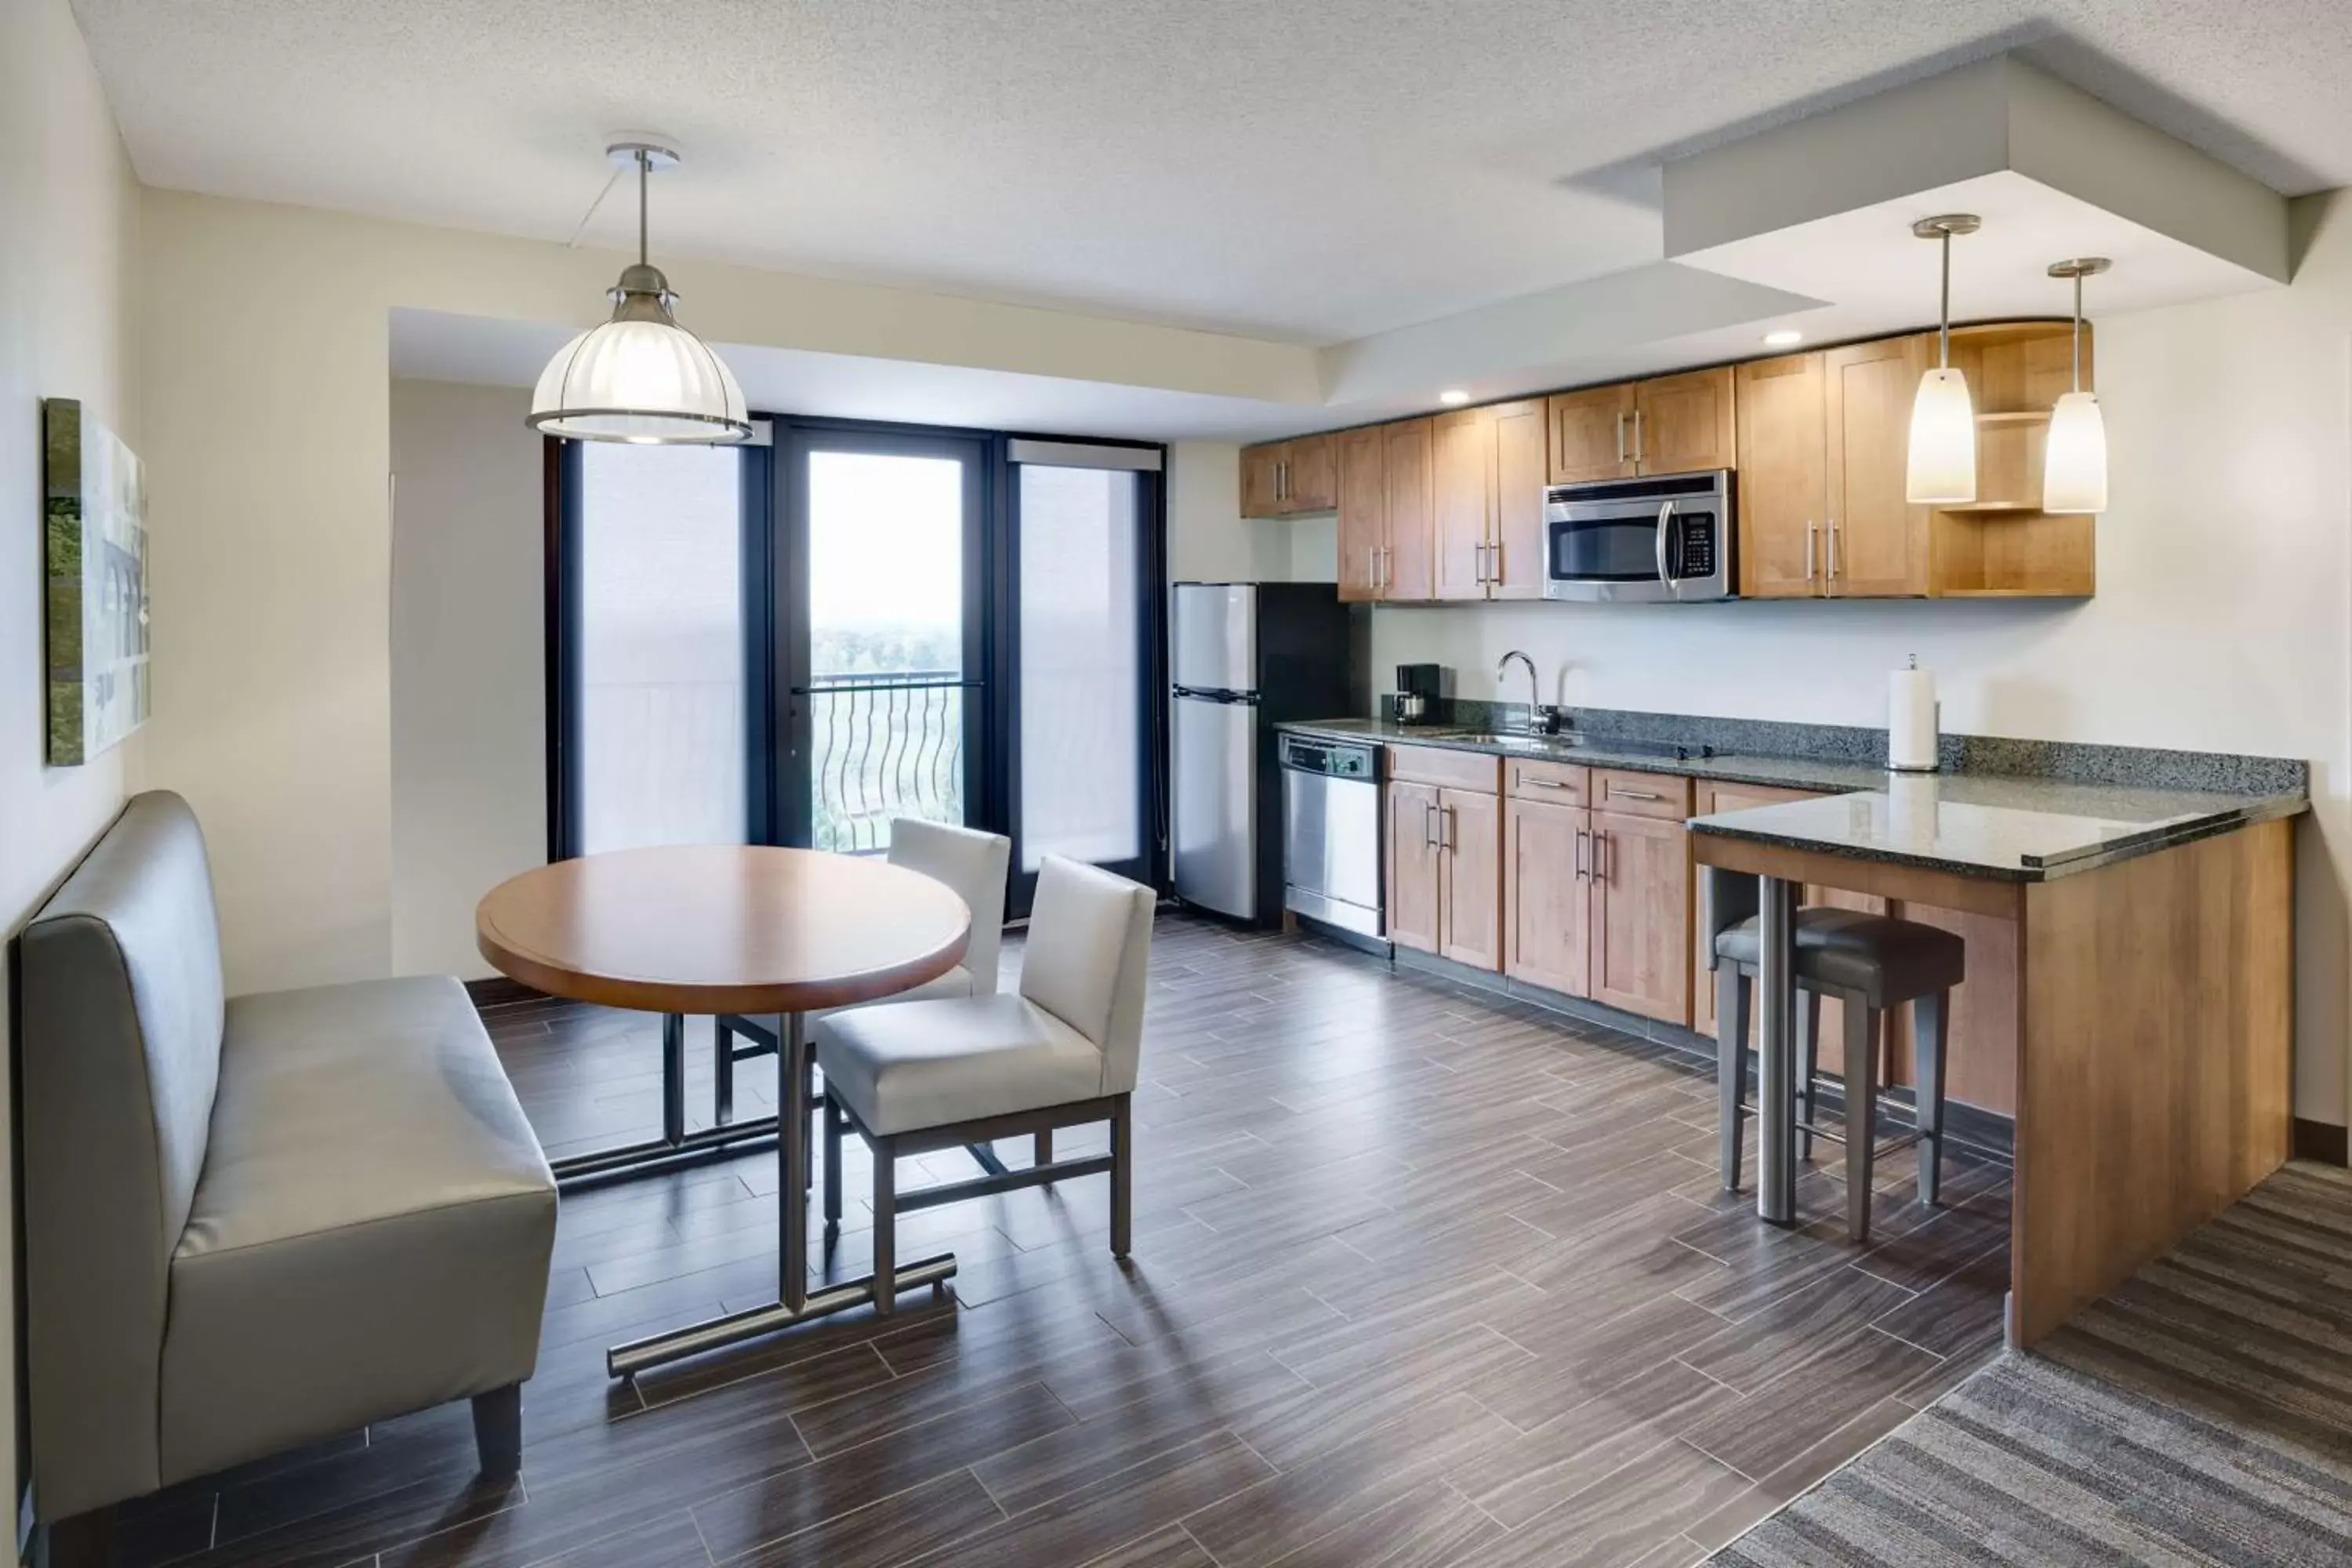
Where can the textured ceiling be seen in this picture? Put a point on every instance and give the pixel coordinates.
(1312, 169)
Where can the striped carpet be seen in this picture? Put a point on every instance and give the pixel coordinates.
(2202, 1413)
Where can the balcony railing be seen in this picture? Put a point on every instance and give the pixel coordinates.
(884, 746)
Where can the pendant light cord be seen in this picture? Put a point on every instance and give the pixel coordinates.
(644, 170)
(1943, 332)
(2078, 332)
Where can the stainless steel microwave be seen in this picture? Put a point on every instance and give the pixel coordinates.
(1663, 539)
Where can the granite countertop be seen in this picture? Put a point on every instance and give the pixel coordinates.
(2005, 826)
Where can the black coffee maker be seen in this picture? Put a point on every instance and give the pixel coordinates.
(1422, 694)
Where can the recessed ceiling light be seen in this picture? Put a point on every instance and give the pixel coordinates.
(1454, 397)
(1787, 337)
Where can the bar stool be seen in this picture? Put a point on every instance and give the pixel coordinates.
(1871, 964)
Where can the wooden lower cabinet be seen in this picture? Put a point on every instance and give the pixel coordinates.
(1413, 868)
(1470, 835)
(1548, 898)
(1640, 915)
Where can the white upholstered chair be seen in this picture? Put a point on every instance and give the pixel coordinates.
(975, 865)
(1062, 1051)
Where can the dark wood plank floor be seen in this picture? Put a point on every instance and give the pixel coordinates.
(1418, 1278)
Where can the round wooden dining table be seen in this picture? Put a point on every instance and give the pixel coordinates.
(727, 930)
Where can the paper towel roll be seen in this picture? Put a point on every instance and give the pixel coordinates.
(1911, 722)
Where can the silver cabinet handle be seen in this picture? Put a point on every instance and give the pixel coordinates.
(1494, 562)
(1372, 566)
(1388, 567)
(1621, 436)
(1619, 790)
(1639, 456)
(1834, 550)
(1603, 864)
(1583, 839)
(1812, 532)
(1428, 829)
(1544, 784)
(1452, 827)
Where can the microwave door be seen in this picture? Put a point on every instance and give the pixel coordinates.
(1605, 553)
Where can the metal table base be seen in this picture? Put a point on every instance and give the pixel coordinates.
(795, 1302)
(676, 1147)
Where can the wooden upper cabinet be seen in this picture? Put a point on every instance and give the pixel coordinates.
(1783, 476)
(1592, 434)
(1875, 542)
(1287, 477)
(1312, 482)
(1262, 481)
(1463, 454)
(1515, 565)
(1684, 423)
(1410, 564)
(1363, 510)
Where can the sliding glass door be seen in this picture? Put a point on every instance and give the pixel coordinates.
(881, 627)
(800, 640)
(1085, 660)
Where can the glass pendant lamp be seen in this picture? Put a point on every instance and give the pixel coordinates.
(640, 376)
(2074, 458)
(1942, 466)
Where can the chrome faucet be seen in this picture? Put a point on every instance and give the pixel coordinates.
(1534, 684)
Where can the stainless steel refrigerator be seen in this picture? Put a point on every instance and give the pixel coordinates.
(1246, 658)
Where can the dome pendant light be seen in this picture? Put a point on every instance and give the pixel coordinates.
(1942, 470)
(2074, 458)
(640, 376)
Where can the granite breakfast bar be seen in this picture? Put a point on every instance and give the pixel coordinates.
(2144, 942)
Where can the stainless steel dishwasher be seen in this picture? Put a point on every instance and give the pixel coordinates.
(1332, 839)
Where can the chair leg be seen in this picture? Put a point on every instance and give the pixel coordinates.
(1730, 1067)
(1043, 1149)
(1122, 1176)
(1929, 1017)
(722, 1070)
(1809, 1065)
(833, 1129)
(498, 1430)
(886, 1226)
(1861, 1114)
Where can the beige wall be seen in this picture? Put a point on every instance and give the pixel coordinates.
(71, 225)
(265, 386)
(468, 687)
(2223, 620)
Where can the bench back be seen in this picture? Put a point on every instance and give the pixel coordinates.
(121, 990)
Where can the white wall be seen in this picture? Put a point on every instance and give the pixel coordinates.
(68, 222)
(468, 661)
(2223, 620)
(1208, 541)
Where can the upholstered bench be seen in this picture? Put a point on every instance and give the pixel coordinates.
(257, 1221)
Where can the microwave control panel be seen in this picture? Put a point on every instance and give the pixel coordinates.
(1698, 535)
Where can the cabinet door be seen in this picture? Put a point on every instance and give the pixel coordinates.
(1545, 896)
(1640, 915)
(1470, 920)
(1712, 797)
(1463, 466)
(1262, 481)
(1412, 865)
(1592, 434)
(1312, 481)
(1515, 565)
(1683, 423)
(1877, 542)
(1363, 512)
(1783, 476)
(1412, 521)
